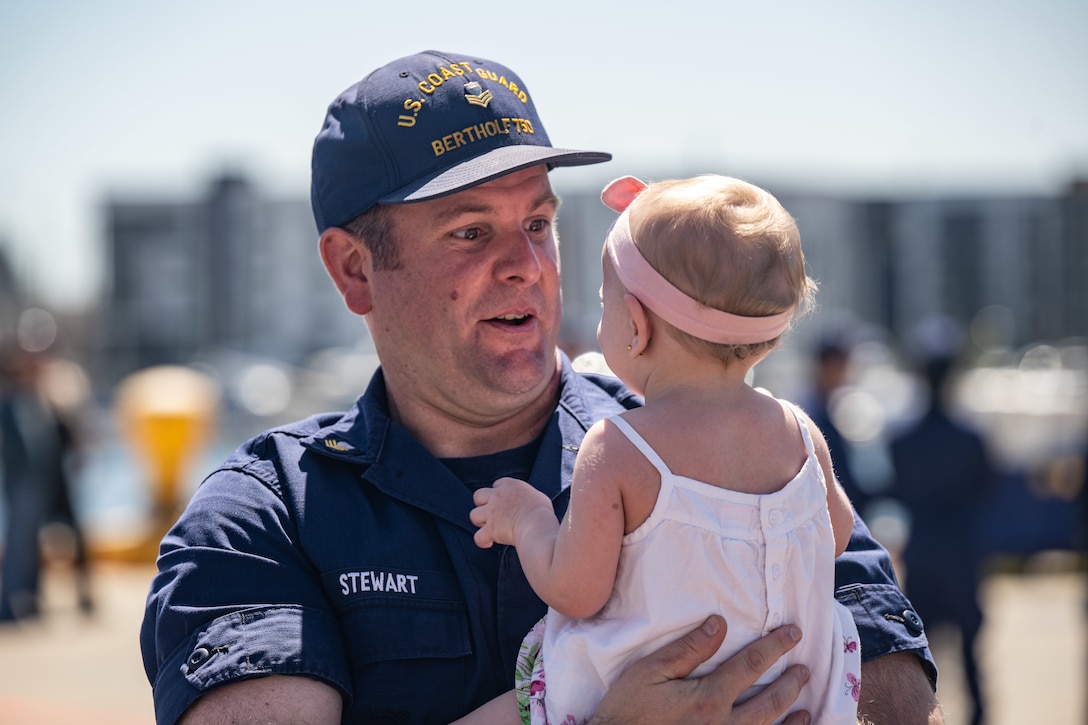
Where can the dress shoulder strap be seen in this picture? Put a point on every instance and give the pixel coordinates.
(806, 435)
(641, 444)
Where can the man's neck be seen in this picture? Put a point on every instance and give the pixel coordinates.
(447, 435)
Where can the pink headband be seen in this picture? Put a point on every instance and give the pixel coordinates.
(668, 302)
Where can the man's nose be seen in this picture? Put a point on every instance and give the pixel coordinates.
(522, 258)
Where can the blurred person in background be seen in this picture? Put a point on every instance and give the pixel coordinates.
(38, 449)
(831, 372)
(24, 423)
(1081, 534)
(942, 474)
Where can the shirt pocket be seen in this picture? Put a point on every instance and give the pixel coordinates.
(407, 658)
(407, 630)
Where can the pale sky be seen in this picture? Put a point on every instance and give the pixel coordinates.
(129, 97)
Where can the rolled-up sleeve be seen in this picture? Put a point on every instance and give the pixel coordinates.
(235, 598)
(865, 583)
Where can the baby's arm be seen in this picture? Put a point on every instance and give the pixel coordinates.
(502, 710)
(838, 504)
(571, 566)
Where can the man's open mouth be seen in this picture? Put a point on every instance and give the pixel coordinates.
(513, 320)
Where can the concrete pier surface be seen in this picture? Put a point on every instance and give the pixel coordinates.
(67, 668)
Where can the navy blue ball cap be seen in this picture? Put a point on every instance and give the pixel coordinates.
(425, 126)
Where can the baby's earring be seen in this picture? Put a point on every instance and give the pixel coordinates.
(628, 348)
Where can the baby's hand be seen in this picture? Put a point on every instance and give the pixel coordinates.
(501, 508)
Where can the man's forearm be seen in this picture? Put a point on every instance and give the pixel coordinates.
(896, 691)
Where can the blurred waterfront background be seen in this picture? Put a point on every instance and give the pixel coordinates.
(154, 216)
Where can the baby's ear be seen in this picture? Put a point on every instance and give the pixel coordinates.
(619, 194)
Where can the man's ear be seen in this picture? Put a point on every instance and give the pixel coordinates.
(640, 322)
(349, 263)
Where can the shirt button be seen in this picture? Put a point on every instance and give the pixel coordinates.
(912, 621)
(776, 571)
(199, 656)
(776, 517)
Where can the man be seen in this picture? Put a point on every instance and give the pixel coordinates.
(944, 475)
(37, 448)
(327, 571)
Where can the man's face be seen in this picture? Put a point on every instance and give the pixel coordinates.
(468, 322)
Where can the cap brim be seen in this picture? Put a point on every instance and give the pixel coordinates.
(491, 165)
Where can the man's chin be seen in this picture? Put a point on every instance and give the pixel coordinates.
(522, 372)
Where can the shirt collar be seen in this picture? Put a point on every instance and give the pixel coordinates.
(399, 465)
(360, 433)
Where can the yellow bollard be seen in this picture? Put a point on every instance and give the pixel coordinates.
(165, 415)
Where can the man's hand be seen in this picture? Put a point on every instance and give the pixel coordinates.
(506, 507)
(652, 690)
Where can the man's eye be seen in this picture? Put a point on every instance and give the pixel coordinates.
(537, 225)
(468, 234)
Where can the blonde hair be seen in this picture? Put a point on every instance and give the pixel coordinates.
(727, 244)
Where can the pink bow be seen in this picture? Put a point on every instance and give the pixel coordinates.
(619, 193)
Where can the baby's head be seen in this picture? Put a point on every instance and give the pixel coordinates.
(729, 245)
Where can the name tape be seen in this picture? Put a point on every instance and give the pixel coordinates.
(354, 582)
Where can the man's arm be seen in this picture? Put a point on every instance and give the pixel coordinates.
(895, 689)
(197, 637)
(272, 700)
(898, 678)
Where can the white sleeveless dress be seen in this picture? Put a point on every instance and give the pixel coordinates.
(759, 560)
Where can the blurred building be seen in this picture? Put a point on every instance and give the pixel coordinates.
(233, 273)
(1013, 265)
(960, 256)
(893, 263)
(237, 271)
(230, 279)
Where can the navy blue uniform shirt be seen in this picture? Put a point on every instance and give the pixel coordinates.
(338, 548)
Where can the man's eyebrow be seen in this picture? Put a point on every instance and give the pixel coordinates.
(548, 198)
(460, 209)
